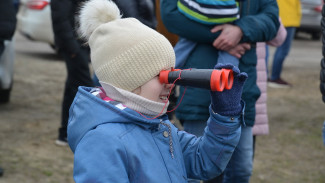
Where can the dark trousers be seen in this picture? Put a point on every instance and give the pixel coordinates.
(78, 74)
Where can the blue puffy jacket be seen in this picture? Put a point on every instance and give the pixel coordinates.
(115, 144)
(258, 21)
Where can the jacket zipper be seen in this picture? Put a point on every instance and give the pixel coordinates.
(171, 148)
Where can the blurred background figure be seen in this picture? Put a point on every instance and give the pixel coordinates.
(75, 53)
(290, 14)
(322, 71)
(261, 126)
(7, 30)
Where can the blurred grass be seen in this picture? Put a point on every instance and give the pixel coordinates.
(293, 152)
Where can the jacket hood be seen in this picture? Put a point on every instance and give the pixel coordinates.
(88, 111)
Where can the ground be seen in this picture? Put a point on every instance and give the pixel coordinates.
(292, 153)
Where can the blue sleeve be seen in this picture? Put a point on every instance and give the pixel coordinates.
(262, 26)
(207, 156)
(178, 24)
(101, 159)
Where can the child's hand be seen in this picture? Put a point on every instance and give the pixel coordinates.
(229, 37)
(227, 102)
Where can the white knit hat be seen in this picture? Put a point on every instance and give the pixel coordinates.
(124, 52)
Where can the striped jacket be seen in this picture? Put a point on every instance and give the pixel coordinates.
(209, 11)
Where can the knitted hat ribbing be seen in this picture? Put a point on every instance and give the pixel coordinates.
(124, 52)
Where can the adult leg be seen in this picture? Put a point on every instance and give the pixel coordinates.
(281, 53)
(78, 74)
(240, 166)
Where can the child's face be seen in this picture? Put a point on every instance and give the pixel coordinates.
(154, 90)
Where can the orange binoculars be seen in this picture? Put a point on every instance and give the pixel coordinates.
(211, 79)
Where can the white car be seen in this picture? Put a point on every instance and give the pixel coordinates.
(311, 18)
(6, 71)
(34, 20)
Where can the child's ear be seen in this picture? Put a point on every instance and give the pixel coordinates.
(137, 90)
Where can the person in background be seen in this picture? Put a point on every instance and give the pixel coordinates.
(7, 29)
(261, 126)
(322, 71)
(210, 12)
(290, 14)
(194, 108)
(322, 83)
(76, 56)
(125, 136)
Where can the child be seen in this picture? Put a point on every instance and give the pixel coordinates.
(120, 133)
(209, 12)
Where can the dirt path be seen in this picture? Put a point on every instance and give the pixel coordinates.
(29, 122)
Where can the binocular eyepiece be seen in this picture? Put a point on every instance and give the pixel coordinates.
(211, 79)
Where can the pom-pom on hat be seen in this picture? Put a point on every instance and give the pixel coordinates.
(124, 52)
